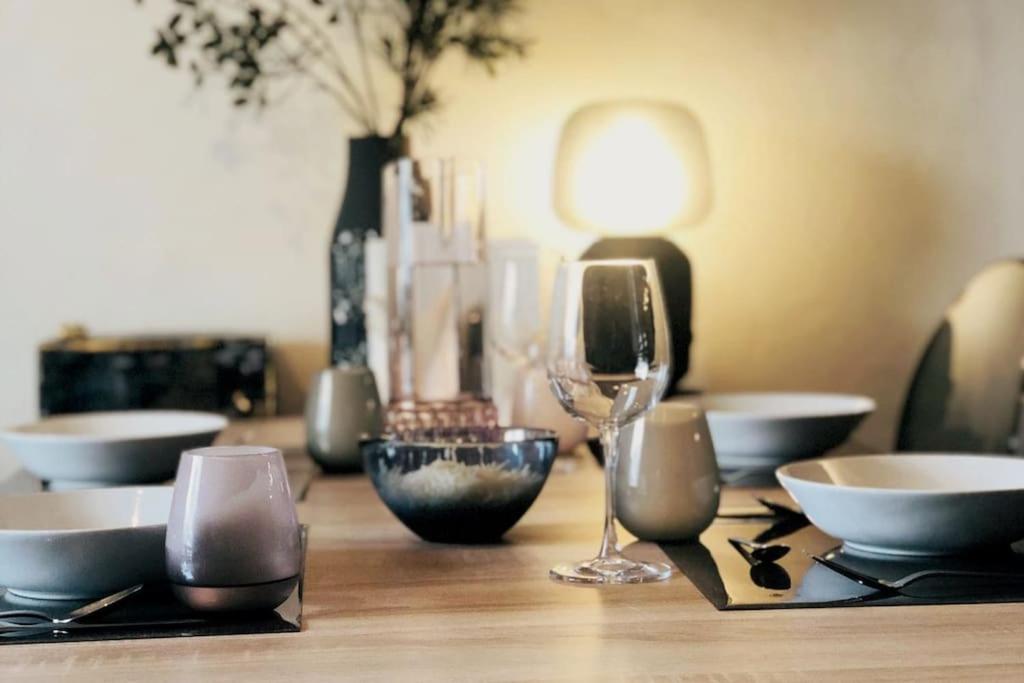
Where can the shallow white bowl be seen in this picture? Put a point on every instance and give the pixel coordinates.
(765, 430)
(912, 504)
(96, 449)
(71, 545)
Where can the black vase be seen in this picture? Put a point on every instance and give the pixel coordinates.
(360, 217)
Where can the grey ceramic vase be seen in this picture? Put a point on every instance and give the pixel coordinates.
(233, 538)
(343, 407)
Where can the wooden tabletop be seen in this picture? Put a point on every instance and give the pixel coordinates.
(382, 605)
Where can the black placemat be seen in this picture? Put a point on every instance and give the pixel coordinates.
(153, 612)
(731, 582)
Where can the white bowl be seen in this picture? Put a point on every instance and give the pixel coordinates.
(765, 430)
(920, 504)
(73, 545)
(96, 449)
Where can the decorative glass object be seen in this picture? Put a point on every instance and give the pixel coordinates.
(460, 484)
(437, 295)
(233, 537)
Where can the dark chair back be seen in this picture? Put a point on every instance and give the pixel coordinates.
(966, 393)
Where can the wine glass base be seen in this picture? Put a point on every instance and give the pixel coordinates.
(611, 571)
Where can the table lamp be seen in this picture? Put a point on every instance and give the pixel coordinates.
(630, 170)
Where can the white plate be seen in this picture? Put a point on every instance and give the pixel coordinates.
(96, 449)
(72, 545)
(765, 430)
(919, 504)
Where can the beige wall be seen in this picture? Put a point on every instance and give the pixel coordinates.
(867, 159)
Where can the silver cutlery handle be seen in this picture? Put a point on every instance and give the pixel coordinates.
(19, 630)
(83, 611)
(956, 573)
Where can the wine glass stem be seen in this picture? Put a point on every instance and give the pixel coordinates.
(610, 446)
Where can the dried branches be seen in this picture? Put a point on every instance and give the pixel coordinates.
(257, 43)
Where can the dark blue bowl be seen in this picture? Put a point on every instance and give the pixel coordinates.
(460, 485)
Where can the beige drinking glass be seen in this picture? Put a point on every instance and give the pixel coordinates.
(666, 488)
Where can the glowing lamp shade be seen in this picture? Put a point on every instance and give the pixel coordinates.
(632, 167)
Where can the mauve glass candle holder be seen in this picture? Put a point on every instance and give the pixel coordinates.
(233, 535)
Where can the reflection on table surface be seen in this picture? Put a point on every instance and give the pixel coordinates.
(730, 579)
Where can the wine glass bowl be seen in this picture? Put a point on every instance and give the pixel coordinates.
(600, 397)
(609, 359)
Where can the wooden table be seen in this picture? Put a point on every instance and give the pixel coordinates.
(381, 605)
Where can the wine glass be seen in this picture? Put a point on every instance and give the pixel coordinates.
(515, 329)
(514, 305)
(608, 364)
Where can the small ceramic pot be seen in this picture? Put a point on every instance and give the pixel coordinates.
(233, 538)
(666, 484)
(343, 407)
